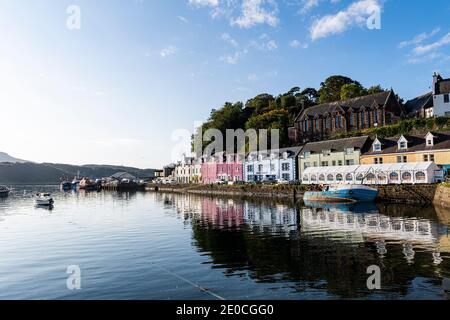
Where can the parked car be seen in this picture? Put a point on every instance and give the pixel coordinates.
(221, 182)
(282, 181)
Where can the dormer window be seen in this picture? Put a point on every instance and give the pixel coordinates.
(376, 146)
(402, 143)
(326, 153)
(307, 154)
(430, 139)
(285, 155)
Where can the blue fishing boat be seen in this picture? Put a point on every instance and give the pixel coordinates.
(343, 193)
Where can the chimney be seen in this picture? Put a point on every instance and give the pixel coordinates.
(436, 79)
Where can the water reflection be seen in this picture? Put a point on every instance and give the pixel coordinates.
(322, 247)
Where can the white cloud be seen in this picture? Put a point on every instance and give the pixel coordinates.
(264, 43)
(308, 5)
(419, 38)
(233, 58)
(166, 52)
(253, 13)
(204, 3)
(297, 44)
(354, 15)
(183, 19)
(272, 45)
(228, 39)
(423, 49)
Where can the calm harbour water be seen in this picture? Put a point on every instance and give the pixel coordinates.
(157, 246)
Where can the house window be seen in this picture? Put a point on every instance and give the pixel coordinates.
(286, 167)
(307, 165)
(272, 167)
(340, 163)
(402, 145)
(260, 168)
(286, 176)
(378, 160)
(351, 120)
(428, 157)
(349, 151)
(350, 162)
(375, 113)
(334, 163)
(402, 159)
(377, 147)
(446, 98)
(324, 163)
(326, 153)
(363, 119)
(429, 142)
(307, 154)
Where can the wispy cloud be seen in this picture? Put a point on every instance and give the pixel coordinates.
(419, 38)
(244, 13)
(183, 19)
(423, 49)
(254, 12)
(354, 15)
(204, 3)
(264, 43)
(234, 57)
(297, 44)
(166, 52)
(230, 40)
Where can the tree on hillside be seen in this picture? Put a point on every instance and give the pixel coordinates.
(375, 89)
(260, 103)
(330, 89)
(352, 90)
(308, 97)
(274, 119)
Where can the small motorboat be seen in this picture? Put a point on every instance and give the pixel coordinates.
(66, 186)
(343, 193)
(44, 199)
(4, 191)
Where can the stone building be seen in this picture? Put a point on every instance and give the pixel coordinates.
(326, 120)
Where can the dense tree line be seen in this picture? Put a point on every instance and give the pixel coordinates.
(266, 111)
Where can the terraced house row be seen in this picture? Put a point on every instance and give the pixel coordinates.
(412, 156)
(342, 155)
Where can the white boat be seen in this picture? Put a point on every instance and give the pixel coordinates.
(44, 199)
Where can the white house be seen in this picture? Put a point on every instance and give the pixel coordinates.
(441, 96)
(280, 164)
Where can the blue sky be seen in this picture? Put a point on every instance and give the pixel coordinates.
(115, 90)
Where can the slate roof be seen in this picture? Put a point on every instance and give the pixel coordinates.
(339, 145)
(356, 103)
(415, 143)
(423, 102)
(123, 175)
(292, 152)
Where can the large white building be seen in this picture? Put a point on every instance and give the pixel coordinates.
(432, 104)
(280, 164)
(441, 96)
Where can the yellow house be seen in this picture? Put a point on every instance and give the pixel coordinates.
(433, 147)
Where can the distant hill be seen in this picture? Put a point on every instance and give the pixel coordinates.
(4, 157)
(50, 173)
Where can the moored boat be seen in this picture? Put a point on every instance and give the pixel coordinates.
(44, 199)
(87, 184)
(4, 191)
(66, 185)
(343, 193)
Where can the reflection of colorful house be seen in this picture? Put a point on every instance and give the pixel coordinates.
(222, 167)
(433, 147)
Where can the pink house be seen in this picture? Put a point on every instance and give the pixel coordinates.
(223, 168)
